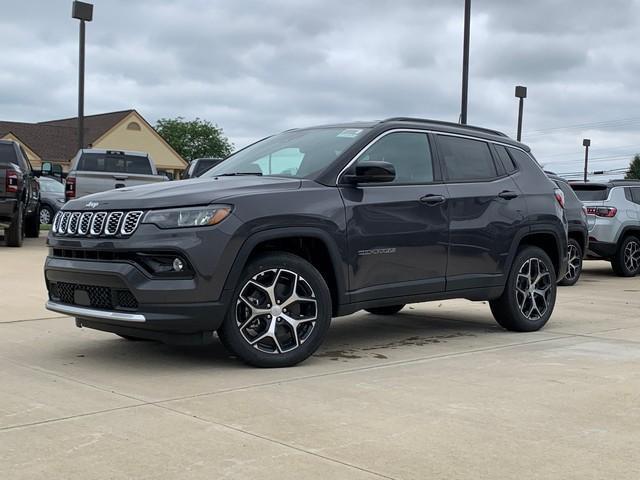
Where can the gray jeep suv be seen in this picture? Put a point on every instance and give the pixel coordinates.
(311, 224)
(613, 211)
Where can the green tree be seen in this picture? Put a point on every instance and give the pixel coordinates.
(634, 169)
(194, 138)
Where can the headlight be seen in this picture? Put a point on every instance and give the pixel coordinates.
(188, 216)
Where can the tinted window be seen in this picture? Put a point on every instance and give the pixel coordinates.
(508, 163)
(519, 157)
(7, 153)
(204, 165)
(635, 195)
(103, 162)
(408, 152)
(591, 193)
(466, 159)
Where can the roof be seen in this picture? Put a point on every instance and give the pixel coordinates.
(57, 140)
(609, 184)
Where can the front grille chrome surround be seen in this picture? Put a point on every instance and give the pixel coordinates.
(96, 224)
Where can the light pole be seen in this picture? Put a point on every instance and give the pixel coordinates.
(521, 93)
(465, 62)
(586, 143)
(83, 12)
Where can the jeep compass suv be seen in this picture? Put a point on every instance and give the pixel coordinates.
(310, 224)
(613, 210)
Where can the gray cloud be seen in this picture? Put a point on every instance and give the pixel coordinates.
(256, 67)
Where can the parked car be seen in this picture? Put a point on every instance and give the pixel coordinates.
(19, 194)
(199, 166)
(95, 170)
(312, 224)
(613, 212)
(51, 198)
(576, 214)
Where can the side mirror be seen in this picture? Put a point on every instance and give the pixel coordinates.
(372, 172)
(46, 168)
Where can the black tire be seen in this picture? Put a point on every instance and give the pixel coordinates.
(622, 265)
(574, 269)
(273, 338)
(32, 225)
(46, 213)
(507, 309)
(389, 310)
(14, 235)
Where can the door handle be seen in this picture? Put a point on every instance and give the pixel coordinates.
(120, 185)
(432, 200)
(508, 195)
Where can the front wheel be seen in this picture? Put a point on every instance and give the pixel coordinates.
(574, 268)
(530, 292)
(626, 263)
(280, 313)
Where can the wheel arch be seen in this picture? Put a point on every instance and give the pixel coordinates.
(313, 244)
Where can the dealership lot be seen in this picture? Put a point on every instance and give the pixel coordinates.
(437, 391)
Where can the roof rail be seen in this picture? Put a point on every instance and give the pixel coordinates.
(441, 122)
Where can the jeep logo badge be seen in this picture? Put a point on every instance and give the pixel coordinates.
(92, 204)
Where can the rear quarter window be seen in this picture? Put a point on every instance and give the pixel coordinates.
(466, 159)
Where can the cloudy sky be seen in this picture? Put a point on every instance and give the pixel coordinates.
(256, 66)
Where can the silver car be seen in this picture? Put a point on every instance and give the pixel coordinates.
(613, 213)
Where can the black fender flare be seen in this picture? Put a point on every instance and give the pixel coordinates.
(257, 238)
(542, 229)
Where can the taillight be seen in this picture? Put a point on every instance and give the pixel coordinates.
(607, 212)
(559, 197)
(70, 188)
(11, 181)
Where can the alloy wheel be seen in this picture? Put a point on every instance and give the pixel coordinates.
(533, 288)
(632, 256)
(276, 311)
(45, 216)
(574, 263)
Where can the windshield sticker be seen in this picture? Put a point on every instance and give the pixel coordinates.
(349, 133)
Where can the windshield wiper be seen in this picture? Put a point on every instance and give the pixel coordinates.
(237, 174)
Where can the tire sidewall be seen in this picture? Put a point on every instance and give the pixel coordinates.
(621, 263)
(46, 208)
(233, 339)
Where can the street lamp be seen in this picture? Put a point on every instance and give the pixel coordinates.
(586, 143)
(465, 62)
(521, 93)
(83, 12)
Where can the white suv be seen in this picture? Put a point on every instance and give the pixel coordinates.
(613, 211)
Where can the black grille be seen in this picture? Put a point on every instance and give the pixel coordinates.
(104, 298)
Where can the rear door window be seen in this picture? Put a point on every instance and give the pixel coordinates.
(466, 159)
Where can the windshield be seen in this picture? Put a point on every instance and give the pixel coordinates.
(298, 153)
(48, 185)
(591, 193)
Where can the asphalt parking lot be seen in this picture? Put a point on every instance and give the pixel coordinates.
(437, 391)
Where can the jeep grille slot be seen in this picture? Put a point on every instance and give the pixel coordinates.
(113, 222)
(130, 222)
(96, 224)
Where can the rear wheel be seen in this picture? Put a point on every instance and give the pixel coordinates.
(280, 313)
(574, 268)
(626, 263)
(530, 293)
(390, 310)
(14, 235)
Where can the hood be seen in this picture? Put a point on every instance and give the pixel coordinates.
(182, 193)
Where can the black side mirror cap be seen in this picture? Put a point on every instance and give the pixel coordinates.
(371, 172)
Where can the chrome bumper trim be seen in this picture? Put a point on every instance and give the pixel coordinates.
(93, 313)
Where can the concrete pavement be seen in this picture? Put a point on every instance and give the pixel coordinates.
(437, 391)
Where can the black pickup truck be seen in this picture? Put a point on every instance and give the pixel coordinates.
(19, 195)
